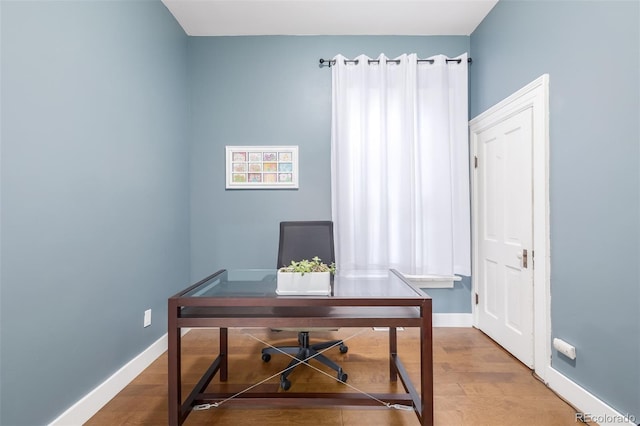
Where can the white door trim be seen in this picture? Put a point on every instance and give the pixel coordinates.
(535, 95)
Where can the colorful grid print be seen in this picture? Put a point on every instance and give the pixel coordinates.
(257, 166)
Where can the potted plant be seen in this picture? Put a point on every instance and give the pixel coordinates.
(305, 277)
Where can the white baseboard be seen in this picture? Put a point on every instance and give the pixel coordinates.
(588, 405)
(445, 320)
(452, 320)
(91, 403)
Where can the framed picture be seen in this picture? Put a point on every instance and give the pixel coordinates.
(267, 167)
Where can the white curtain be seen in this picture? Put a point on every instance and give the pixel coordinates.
(400, 165)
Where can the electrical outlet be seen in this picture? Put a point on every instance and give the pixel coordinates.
(147, 318)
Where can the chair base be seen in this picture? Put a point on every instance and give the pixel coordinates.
(305, 351)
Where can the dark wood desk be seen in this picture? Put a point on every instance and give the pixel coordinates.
(247, 298)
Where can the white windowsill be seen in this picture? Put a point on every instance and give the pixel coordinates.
(432, 281)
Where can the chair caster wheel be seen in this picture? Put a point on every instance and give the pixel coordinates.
(285, 384)
(266, 357)
(344, 349)
(342, 376)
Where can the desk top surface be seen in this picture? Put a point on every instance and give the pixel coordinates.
(261, 283)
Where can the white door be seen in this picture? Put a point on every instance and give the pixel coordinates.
(504, 193)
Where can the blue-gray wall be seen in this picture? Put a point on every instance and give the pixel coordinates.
(591, 50)
(94, 194)
(272, 91)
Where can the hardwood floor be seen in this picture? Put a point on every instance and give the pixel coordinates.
(476, 383)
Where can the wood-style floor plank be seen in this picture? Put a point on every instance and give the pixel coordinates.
(476, 382)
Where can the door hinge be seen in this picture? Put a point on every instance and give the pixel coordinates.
(477, 299)
(475, 161)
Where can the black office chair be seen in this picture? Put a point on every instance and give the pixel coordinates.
(305, 240)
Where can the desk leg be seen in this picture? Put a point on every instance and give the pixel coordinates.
(175, 383)
(426, 363)
(393, 352)
(224, 350)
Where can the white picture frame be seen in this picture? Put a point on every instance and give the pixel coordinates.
(261, 167)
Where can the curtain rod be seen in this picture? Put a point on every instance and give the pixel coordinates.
(377, 61)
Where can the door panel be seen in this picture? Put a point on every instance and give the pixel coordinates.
(492, 294)
(504, 186)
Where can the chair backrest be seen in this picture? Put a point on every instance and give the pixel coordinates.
(305, 240)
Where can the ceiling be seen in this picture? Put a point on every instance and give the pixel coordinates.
(329, 17)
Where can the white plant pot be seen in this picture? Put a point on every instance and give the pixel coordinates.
(311, 283)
